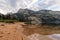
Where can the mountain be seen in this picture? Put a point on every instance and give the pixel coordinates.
(23, 14)
(25, 11)
(35, 17)
(48, 18)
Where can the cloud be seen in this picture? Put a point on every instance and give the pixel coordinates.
(14, 5)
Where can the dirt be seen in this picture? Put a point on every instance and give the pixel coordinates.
(21, 31)
(10, 31)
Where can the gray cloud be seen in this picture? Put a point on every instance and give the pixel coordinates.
(14, 5)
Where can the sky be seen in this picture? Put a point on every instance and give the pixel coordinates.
(14, 5)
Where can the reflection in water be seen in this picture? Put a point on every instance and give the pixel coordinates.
(43, 37)
(56, 36)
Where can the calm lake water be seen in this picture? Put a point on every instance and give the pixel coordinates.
(44, 37)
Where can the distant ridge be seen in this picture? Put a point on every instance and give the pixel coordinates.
(35, 17)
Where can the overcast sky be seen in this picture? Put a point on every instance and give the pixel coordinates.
(14, 5)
